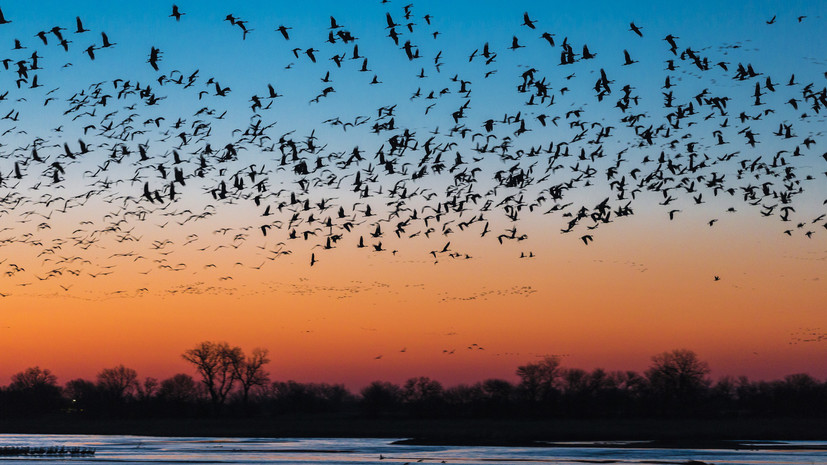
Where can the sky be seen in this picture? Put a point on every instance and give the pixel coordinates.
(483, 275)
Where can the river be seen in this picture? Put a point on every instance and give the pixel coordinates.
(142, 449)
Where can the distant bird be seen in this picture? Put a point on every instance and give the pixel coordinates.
(772, 20)
(80, 28)
(389, 20)
(3, 19)
(283, 29)
(154, 57)
(527, 21)
(474, 175)
(176, 13)
(671, 40)
(272, 91)
(242, 25)
(514, 44)
(106, 43)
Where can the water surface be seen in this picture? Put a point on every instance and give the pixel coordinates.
(143, 449)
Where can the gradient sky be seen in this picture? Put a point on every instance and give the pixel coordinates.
(151, 288)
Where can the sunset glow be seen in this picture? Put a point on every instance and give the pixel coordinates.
(95, 273)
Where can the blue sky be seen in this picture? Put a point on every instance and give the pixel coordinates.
(204, 41)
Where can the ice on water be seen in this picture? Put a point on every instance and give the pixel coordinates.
(142, 450)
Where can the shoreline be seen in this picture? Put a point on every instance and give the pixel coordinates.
(724, 444)
(735, 434)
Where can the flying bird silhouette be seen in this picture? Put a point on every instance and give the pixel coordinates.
(176, 13)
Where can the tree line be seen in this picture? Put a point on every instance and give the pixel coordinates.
(229, 382)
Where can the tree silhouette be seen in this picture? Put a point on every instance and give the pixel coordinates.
(497, 396)
(34, 390)
(804, 395)
(215, 362)
(83, 395)
(538, 380)
(381, 397)
(33, 378)
(118, 383)
(249, 371)
(180, 388)
(676, 384)
(678, 378)
(498, 390)
(148, 389)
(422, 395)
(291, 396)
(179, 395)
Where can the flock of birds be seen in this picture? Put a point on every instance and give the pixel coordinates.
(125, 179)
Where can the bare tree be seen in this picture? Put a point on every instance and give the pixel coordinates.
(179, 388)
(80, 392)
(678, 375)
(423, 395)
(215, 362)
(33, 378)
(421, 389)
(249, 371)
(148, 389)
(381, 397)
(538, 380)
(33, 390)
(119, 382)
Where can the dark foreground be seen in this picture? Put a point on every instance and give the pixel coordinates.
(694, 433)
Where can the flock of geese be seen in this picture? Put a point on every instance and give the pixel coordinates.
(126, 177)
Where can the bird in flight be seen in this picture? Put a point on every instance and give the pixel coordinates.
(176, 13)
(550, 142)
(154, 57)
(79, 24)
(283, 29)
(527, 21)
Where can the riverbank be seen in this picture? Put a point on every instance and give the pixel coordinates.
(667, 433)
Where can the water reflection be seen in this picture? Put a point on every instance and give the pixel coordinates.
(141, 450)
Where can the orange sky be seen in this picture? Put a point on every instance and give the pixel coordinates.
(632, 293)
